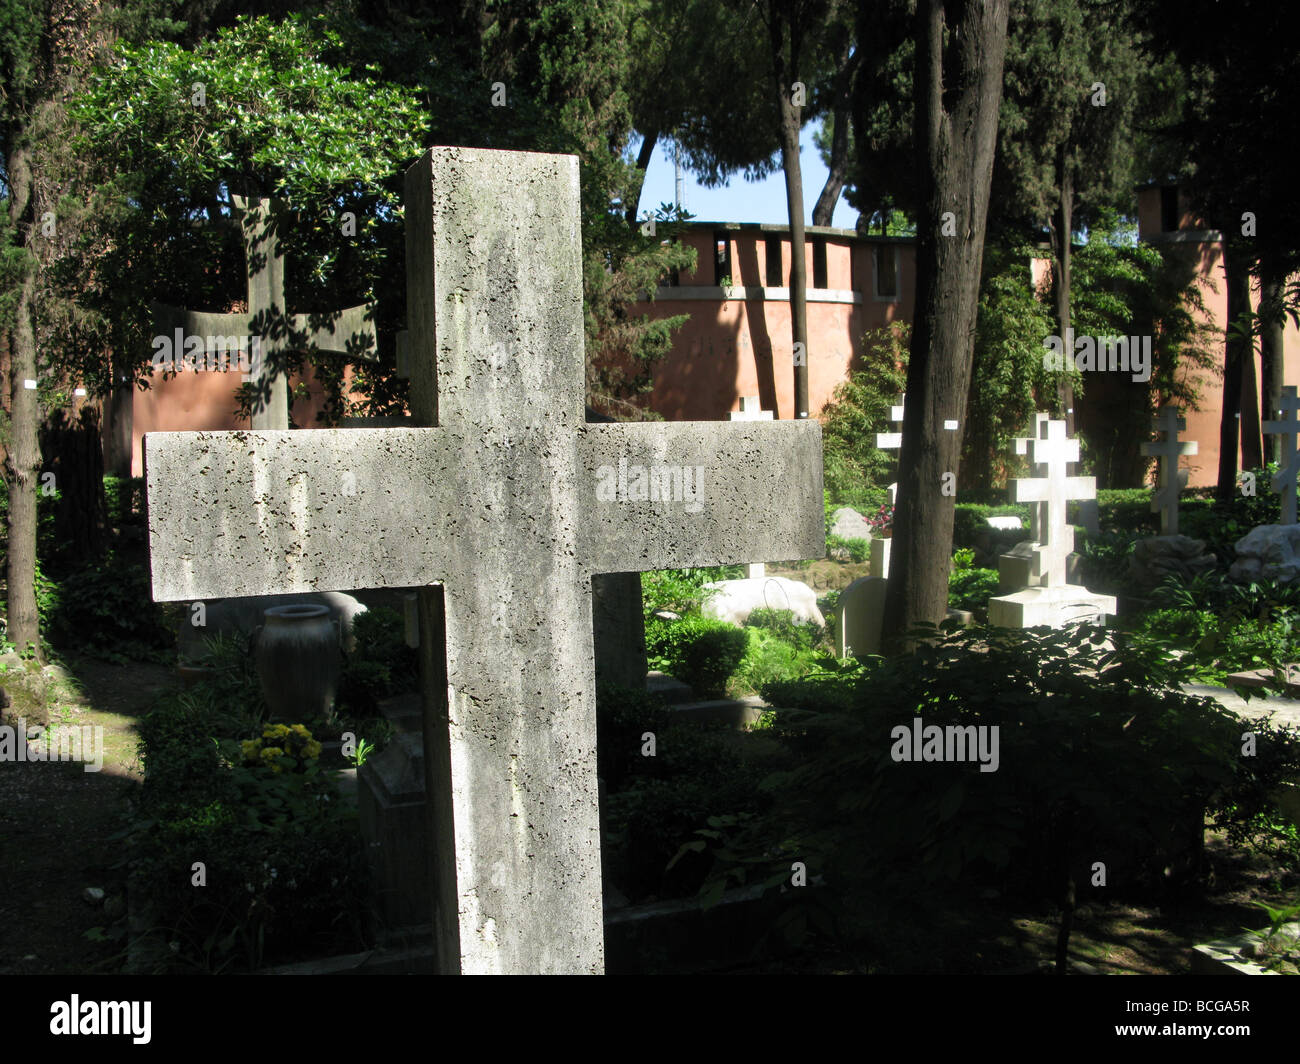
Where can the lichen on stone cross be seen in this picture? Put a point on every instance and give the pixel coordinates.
(508, 502)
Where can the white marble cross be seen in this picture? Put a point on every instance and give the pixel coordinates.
(1052, 490)
(1023, 445)
(893, 441)
(1171, 478)
(1288, 428)
(750, 410)
(500, 508)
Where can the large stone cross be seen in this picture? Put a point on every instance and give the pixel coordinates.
(1171, 479)
(510, 504)
(1051, 490)
(344, 332)
(1289, 468)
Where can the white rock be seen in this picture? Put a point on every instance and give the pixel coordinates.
(849, 524)
(736, 599)
(1269, 552)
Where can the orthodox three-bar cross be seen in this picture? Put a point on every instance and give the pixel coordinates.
(1051, 490)
(495, 513)
(1171, 478)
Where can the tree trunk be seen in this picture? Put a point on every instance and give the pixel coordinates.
(23, 462)
(1230, 418)
(784, 75)
(1062, 230)
(824, 209)
(643, 158)
(958, 93)
(1270, 354)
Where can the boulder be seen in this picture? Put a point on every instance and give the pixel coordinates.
(1269, 552)
(1157, 557)
(849, 524)
(736, 599)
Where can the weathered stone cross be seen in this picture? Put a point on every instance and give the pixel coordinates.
(1289, 468)
(345, 332)
(893, 441)
(1172, 479)
(511, 503)
(1052, 490)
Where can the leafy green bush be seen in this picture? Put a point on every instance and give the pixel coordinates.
(653, 803)
(381, 665)
(769, 657)
(782, 624)
(1104, 560)
(971, 589)
(859, 408)
(859, 550)
(1099, 752)
(970, 523)
(285, 876)
(698, 651)
(106, 609)
(682, 590)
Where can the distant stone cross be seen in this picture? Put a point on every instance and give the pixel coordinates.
(1052, 490)
(750, 410)
(510, 503)
(345, 332)
(1288, 428)
(893, 441)
(1171, 478)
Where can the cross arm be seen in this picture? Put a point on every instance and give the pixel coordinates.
(233, 514)
(736, 492)
(1041, 489)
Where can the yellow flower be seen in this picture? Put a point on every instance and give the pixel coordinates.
(301, 731)
(312, 749)
(251, 748)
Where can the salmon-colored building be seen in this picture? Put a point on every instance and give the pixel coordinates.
(738, 340)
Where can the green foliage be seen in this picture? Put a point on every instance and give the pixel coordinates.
(285, 875)
(682, 590)
(781, 623)
(106, 609)
(970, 525)
(654, 803)
(859, 408)
(696, 650)
(1007, 375)
(971, 589)
(858, 550)
(380, 666)
(1099, 751)
(1104, 560)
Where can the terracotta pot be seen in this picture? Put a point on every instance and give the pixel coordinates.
(298, 661)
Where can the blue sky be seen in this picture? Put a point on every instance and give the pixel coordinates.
(742, 201)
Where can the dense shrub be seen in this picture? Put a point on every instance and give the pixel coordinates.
(858, 550)
(653, 804)
(1100, 752)
(782, 624)
(698, 651)
(970, 526)
(971, 589)
(682, 590)
(285, 877)
(106, 609)
(381, 665)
